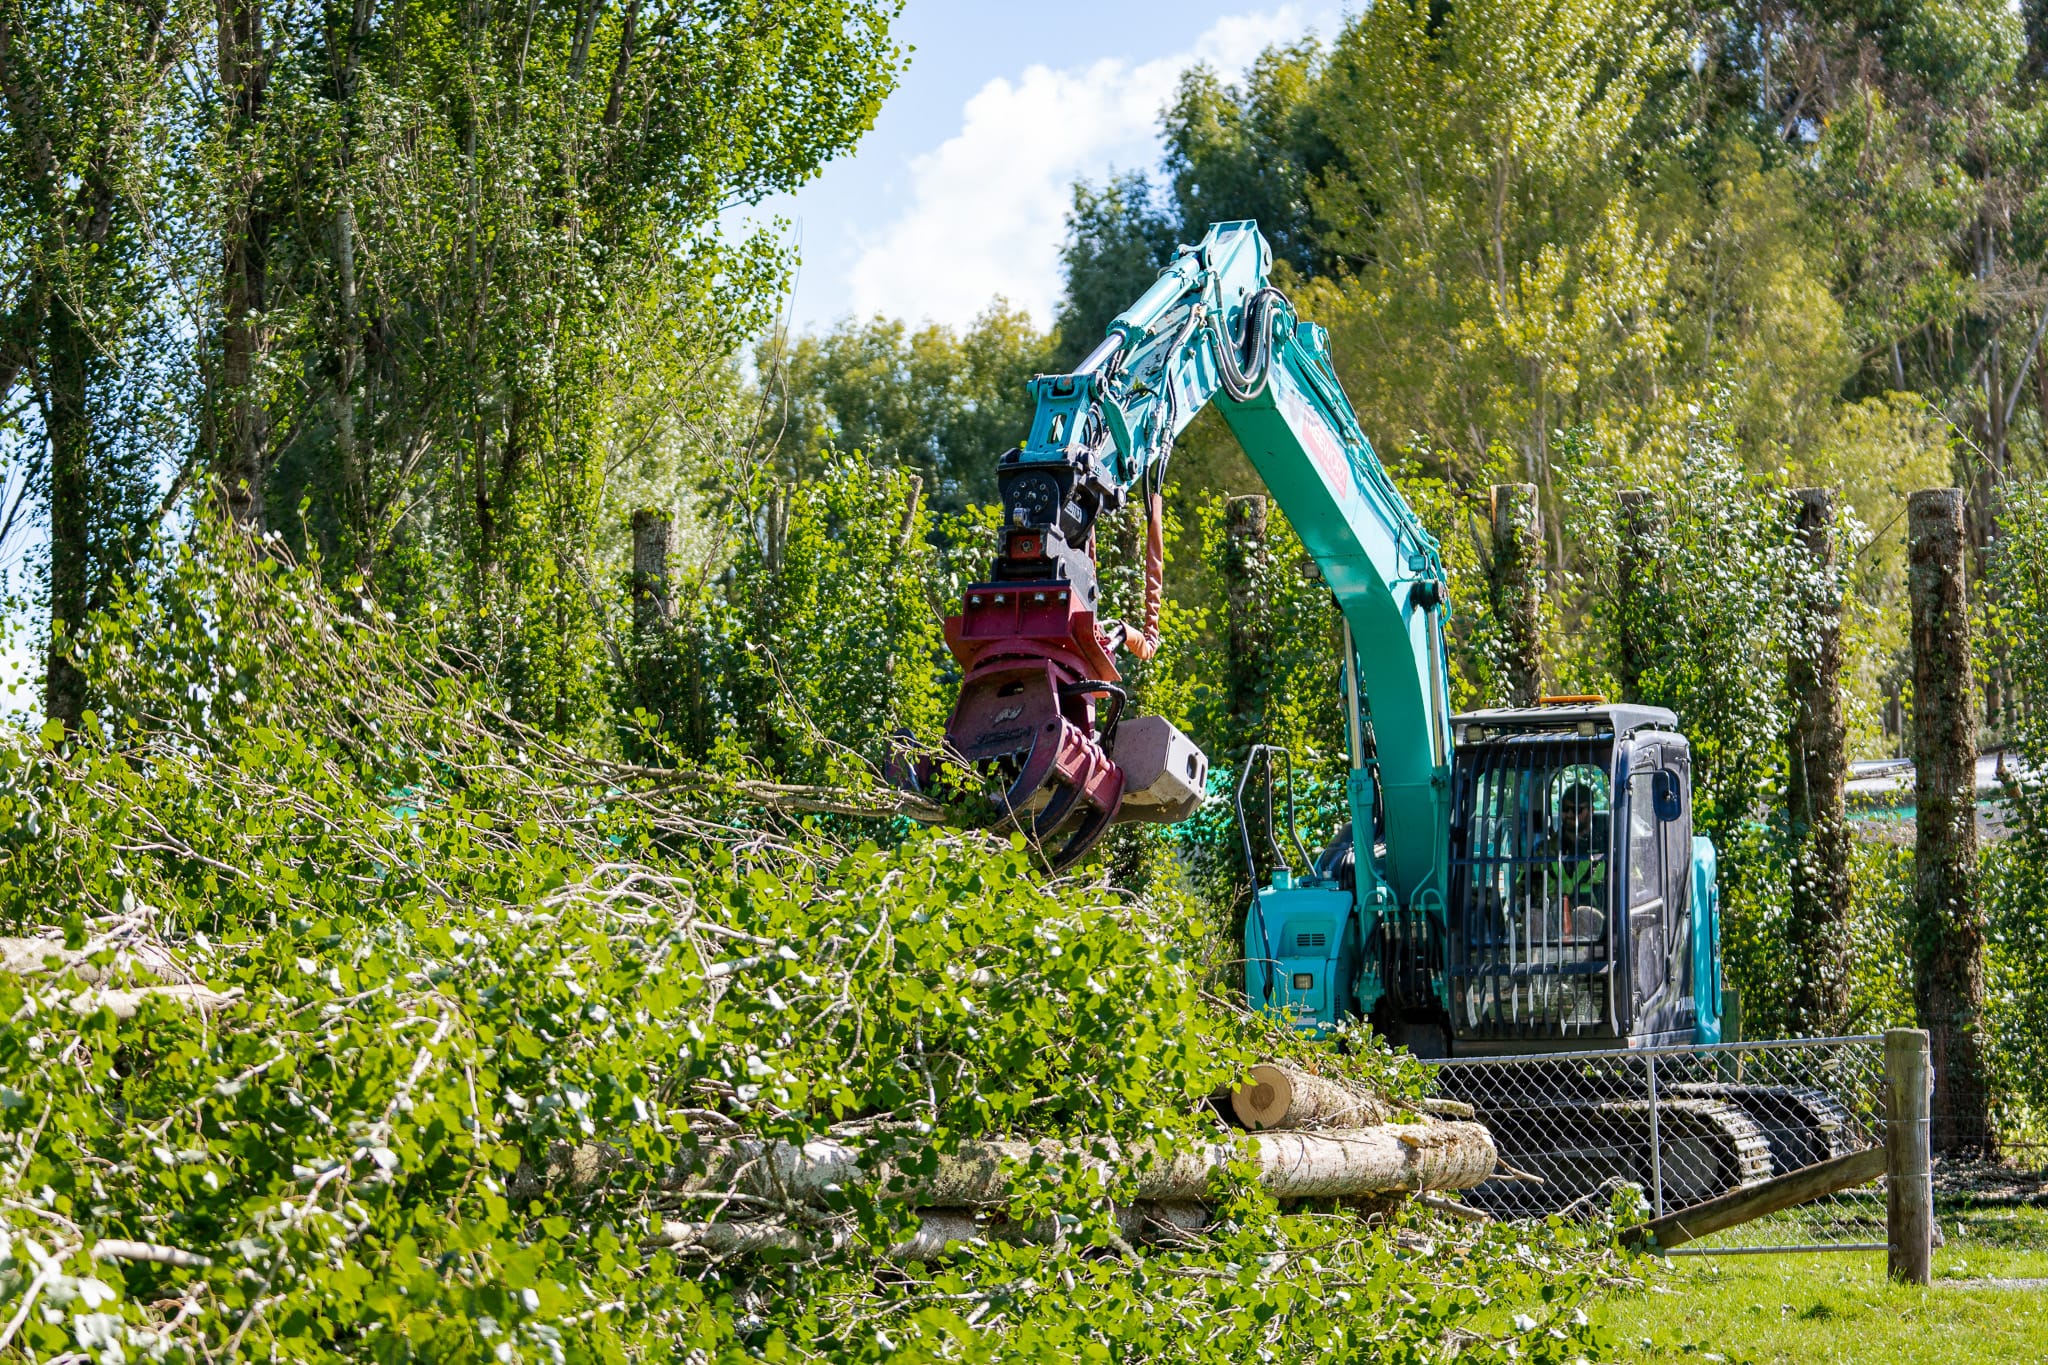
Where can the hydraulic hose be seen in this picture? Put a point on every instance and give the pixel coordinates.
(1245, 378)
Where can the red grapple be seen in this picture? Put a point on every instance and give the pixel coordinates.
(1035, 664)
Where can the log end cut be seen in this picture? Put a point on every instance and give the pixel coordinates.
(1265, 1100)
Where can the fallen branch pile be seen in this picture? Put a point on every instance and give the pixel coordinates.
(1312, 1137)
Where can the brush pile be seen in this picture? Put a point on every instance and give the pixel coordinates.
(361, 1022)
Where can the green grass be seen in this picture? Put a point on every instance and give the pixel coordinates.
(1839, 1309)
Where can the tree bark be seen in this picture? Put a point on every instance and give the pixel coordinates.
(1244, 547)
(1284, 1097)
(938, 1230)
(1421, 1156)
(1435, 1156)
(1948, 922)
(1636, 581)
(1515, 584)
(652, 606)
(1817, 929)
(243, 435)
(68, 427)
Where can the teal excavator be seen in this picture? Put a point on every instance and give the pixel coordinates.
(1512, 881)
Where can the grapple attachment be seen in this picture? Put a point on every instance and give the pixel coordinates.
(1039, 716)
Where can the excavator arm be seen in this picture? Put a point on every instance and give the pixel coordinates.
(1041, 712)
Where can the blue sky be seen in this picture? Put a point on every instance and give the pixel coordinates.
(957, 195)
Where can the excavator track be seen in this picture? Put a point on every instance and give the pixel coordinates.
(1803, 1125)
(1583, 1150)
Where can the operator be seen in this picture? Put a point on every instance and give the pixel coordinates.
(1582, 872)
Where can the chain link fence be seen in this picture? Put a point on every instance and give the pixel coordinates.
(1658, 1129)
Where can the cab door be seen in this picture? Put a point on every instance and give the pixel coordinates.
(1646, 888)
(1674, 817)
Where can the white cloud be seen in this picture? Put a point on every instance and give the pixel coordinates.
(989, 203)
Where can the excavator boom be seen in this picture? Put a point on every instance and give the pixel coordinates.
(1040, 710)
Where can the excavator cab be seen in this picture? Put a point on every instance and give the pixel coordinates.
(1578, 911)
(1581, 911)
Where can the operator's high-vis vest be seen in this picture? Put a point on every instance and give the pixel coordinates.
(1581, 877)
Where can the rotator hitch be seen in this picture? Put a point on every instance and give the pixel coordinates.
(1041, 712)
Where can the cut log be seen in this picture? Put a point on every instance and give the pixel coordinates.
(938, 1231)
(1291, 1165)
(26, 956)
(1283, 1097)
(126, 1004)
(1756, 1201)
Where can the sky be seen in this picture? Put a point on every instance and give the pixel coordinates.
(959, 193)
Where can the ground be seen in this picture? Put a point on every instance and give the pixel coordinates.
(1988, 1302)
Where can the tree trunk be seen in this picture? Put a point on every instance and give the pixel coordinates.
(1635, 589)
(652, 607)
(937, 1229)
(1244, 549)
(242, 433)
(1289, 1165)
(1515, 584)
(1948, 924)
(1817, 929)
(68, 360)
(1283, 1097)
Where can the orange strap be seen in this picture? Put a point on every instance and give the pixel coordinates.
(1144, 644)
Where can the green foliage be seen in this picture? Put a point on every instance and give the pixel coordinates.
(819, 641)
(412, 285)
(2015, 870)
(457, 942)
(1118, 240)
(839, 645)
(942, 404)
(1249, 151)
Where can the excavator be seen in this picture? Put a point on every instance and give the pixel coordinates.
(1511, 881)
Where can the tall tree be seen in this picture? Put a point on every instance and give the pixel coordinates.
(938, 402)
(90, 343)
(1118, 239)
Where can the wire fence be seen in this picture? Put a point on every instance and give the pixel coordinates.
(1652, 1130)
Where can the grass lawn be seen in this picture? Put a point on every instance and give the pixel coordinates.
(1839, 1309)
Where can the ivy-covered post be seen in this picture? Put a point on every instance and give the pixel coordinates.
(1948, 923)
(1636, 570)
(1515, 583)
(1817, 772)
(1244, 528)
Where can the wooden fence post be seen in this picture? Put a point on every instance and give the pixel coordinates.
(1244, 525)
(1514, 581)
(1909, 1183)
(1818, 771)
(1948, 923)
(1641, 519)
